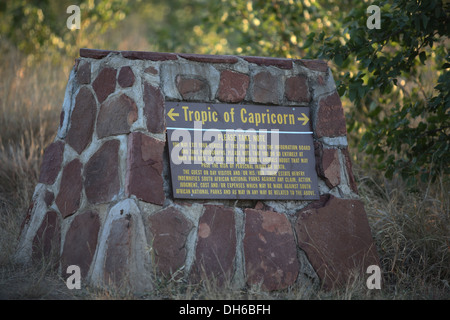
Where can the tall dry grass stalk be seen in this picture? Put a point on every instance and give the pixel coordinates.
(30, 103)
(412, 233)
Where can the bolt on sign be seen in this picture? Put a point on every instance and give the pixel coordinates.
(228, 151)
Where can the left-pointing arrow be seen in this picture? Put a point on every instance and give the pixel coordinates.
(172, 114)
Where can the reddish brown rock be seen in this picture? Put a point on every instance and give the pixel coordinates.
(144, 168)
(276, 62)
(145, 55)
(233, 86)
(265, 88)
(94, 53)
(51, 162)
(49, 197)
(151, 70)
(126, 77)
(330, 167)
(105, 83)
(69, 195)
(169, 230)
(348, 167)
(209, 58)
(321, 81)
(80, 242)
(84, 73)
(335, 235)
(296, 89)
(262, 206)
(330, 117)
(192, 88)
(318, 151)
(118, 254)
(101, 173)
(269, 249)
(316, 65)
(154, 109)
(216, 244)
(116, 116)
(46, 243)
(82, 120)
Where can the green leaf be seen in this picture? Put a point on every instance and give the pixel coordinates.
(321, 36)
(308, 42)
(338, 59)
(341, 90)
(423, 57)
(425, 20)
(353, 91)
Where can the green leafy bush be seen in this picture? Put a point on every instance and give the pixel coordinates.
(396, 78)
(39, 27)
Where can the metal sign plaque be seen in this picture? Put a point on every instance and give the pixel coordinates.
(229, 151)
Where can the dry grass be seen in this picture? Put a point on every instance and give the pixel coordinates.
(411, 228)
(28, 122)
(412, 233)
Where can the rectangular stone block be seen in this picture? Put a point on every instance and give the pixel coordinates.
(336, 237)
(169, 230)
(144, 168)
(216, 244)
(270, 250)
(330, 117)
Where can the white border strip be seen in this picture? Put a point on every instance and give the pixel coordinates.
(195, 129)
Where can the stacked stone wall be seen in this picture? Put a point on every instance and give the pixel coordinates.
(104, 200)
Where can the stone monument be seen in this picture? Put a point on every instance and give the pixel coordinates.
(112, 200)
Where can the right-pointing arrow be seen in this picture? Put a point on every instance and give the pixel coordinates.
(304, 118)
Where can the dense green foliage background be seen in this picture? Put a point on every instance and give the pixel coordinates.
(394, 81)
